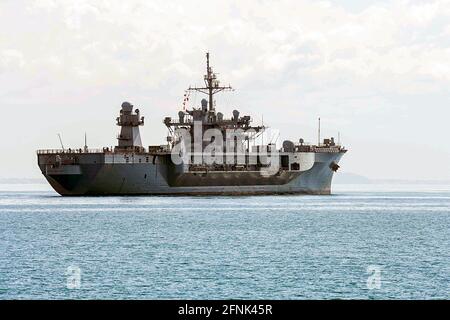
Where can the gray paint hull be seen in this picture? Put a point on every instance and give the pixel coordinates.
(92, 177)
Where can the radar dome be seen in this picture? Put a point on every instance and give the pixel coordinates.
(181, 116)
(126, 106)
(288, 146)
(204, 103)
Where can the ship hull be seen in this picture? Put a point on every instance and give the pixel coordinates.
(91, 177)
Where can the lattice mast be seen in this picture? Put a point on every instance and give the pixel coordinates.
(212, 85)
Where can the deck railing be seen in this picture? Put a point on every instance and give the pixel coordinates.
(70, 150)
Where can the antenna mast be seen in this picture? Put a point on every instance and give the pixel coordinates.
(318, 142)
(262, 124)
(60, 141)
(85, 142)
(212, 85)
(208, 81)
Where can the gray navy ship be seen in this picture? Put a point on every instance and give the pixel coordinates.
(223, 159)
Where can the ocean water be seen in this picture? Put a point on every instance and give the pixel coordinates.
(363, 242)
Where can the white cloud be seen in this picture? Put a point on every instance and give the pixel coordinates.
(113, 41)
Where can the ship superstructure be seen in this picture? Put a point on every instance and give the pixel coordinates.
(205, 153)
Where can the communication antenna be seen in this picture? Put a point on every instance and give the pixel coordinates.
(212, 85)
(60, 141)
(85, 142)
(318, 142)
(262, 124)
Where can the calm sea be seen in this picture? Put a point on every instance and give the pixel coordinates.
(376, 242)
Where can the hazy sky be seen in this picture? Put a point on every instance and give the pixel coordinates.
(378, 72)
